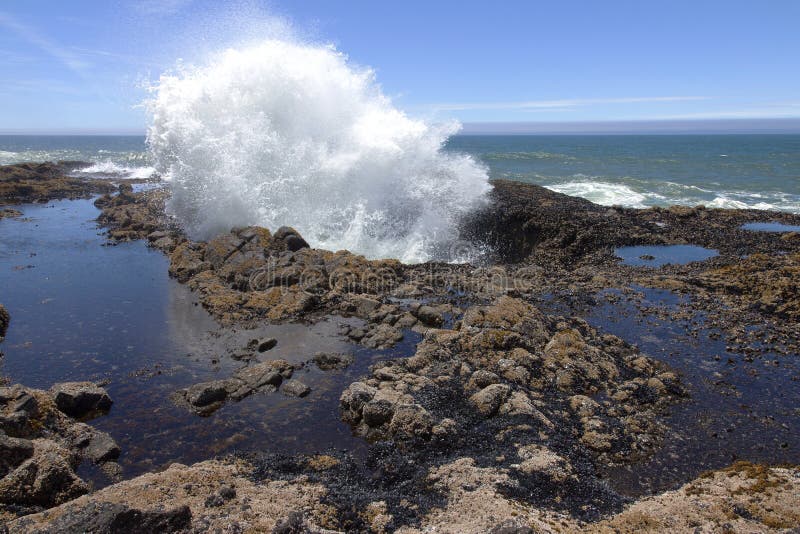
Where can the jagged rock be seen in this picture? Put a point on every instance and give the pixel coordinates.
(45, 479)
(101, 448)
(13, 451)
(353, 399)
(207, 393)
(97, 517)
(295, 388)
(5, 319)
(430, 316)
(411, 420)
(79, 399)
(382, 336)
(489, 399)
(332, 360)
(377, 412)
(291, 238)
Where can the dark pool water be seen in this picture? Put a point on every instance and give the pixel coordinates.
(739, 409)
(770, 227)
(82, 310)
(659, 255)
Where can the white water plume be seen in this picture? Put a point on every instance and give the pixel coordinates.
(282, 133)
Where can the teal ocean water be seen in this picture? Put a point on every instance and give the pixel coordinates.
(731, 171)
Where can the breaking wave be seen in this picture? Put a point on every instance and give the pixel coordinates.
(282, 133)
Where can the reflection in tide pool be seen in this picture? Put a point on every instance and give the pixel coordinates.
(84, 311)
(659, 255)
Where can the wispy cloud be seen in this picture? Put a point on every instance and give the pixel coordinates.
(786, 112)
(561, 104)
(29, 34)
(160, 7)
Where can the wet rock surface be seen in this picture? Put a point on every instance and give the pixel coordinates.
(507, 414)
(40, 182)
(41, 450)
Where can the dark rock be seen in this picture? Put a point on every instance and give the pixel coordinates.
(295, 388)
(101, 448)
(206, 393)
(13, 451)
(263, 345)
(119, 518)
(332, 360)
(220, 497)
(511, 527)
(489, 399)
(5, 318)
(291, 238)
(377, 412)
(430, 316)
(79, 399)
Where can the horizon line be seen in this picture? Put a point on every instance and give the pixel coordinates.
(586, 127)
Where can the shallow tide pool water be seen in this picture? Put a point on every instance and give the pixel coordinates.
(660, 255)
(85, 310)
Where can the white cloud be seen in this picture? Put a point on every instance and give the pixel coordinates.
(62, 54)
(561, 104)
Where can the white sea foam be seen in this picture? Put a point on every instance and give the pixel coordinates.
(108, 168)
(603, 193)
(282, 133)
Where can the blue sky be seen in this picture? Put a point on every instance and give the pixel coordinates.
(82, 65)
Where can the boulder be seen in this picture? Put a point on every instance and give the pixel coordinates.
(13, 451)
(353, 399)
(295, 388)
(45, 479)
(207, 393)
(332, 360)
(79, 399)
(489, 399)
(291, 238)
(4, 320)
(411, 420)
(430, 316)
(119, 518)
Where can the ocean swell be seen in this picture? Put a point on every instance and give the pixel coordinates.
(289, 134)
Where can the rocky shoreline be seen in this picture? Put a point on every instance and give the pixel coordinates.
(500, 419)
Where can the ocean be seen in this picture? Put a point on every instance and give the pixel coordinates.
(726, 171)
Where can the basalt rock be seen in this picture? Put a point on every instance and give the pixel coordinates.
(41, 447)
(5, 319)
(80, 399)
(41, 182)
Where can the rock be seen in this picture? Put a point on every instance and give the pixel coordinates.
(377, 412)
(489, 399)
(411, 420)
(257, 376)
(332, 360)
(430, 316)
(13, 451)
(353, 399)
(118, 518)
(101, 448)
(511, 526)
(45, 479)
(220, 497)
(295, 388)
(382, 336)
(291, 238)
(482, 378)
(263, 345)
(206, 393)
(5, 319)
(79, 399)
